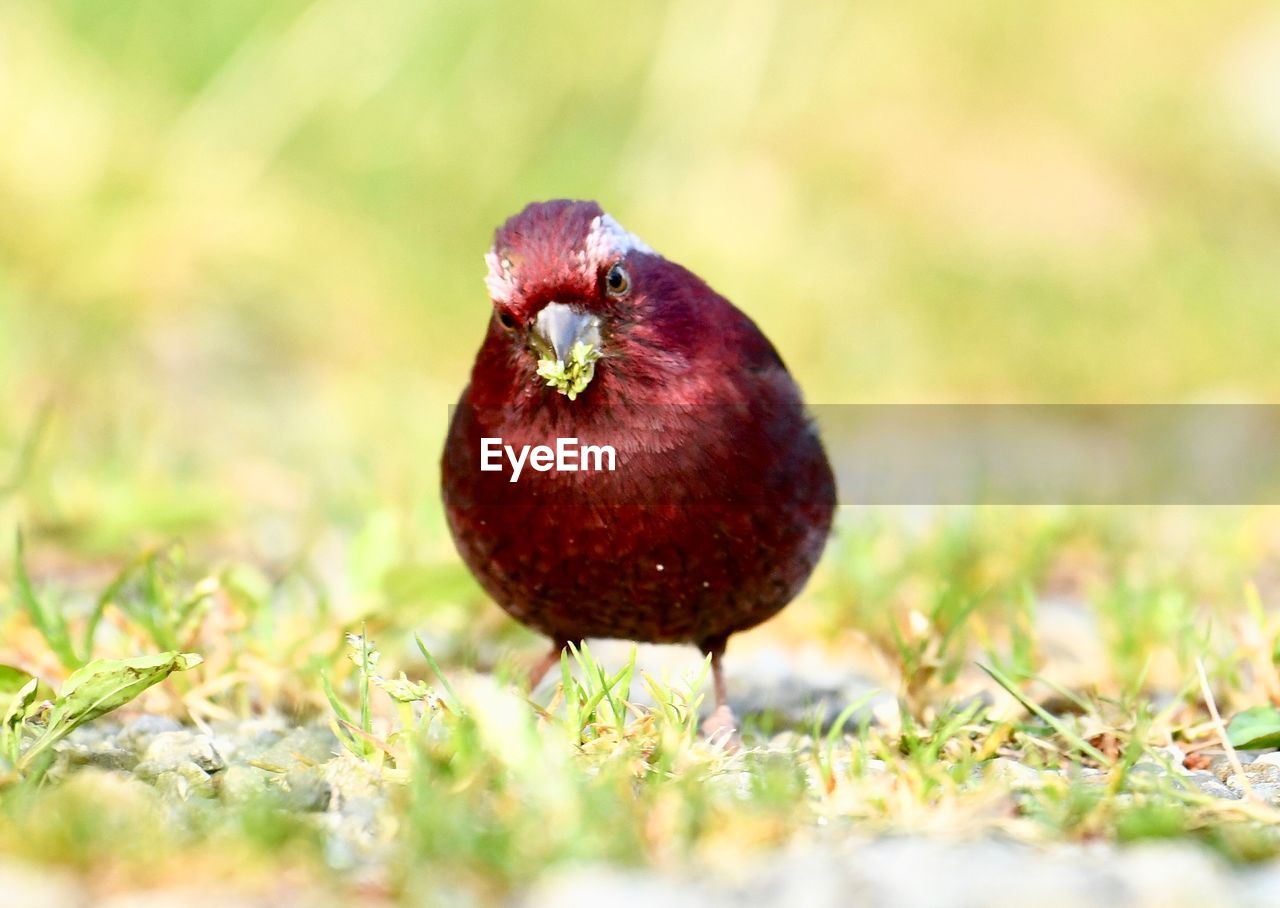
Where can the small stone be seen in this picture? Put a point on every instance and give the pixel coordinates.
(148, 771)
(351, 779)
(1216, 789)
(309, 745)
(169, 749)
(102, 755)
(93, 733)
(1221, 768)
(1012, 773)
(239, 783)
(1268, 791)
(140, 731)
(204, 755)
(1200, 777)
(185, 781)
(1147, 768)
(242, 741)
(307, 791)
(1271, 759)
(1256, 774)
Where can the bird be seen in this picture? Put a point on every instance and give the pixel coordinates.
(719, 497)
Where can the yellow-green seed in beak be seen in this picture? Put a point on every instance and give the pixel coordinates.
(570, 378)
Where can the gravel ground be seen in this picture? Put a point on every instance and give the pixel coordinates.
(305, 765)
(924, 873)
(308, 769)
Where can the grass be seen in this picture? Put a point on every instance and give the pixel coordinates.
(488, 791)
(240, 265)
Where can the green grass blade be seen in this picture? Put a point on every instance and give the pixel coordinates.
(51, 625)
(366, 715)
(337, 705)
(456, 701)
(1051, 720)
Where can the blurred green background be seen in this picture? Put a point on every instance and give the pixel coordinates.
(240, 243)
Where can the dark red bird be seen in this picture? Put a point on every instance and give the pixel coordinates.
(720, 498)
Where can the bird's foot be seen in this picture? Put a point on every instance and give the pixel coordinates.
(721, 728)
(540, 668)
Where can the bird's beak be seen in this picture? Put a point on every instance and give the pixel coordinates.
(558, 327)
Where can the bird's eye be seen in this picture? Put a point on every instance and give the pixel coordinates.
(617, 281)
(506, 320)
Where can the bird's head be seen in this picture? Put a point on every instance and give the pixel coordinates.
(563, 277)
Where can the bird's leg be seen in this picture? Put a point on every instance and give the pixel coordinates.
(544, 665)
(720, 725)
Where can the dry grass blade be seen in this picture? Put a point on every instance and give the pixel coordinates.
(1221, 728)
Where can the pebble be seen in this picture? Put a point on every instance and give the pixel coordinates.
(1268, 791)
(799, 692)
(1218, 790)
(138, 733)
(99, 754)
(1012, 773)
(184, 781)
(1208, 783)
(1255, 773)
(306, 791)
(172, 751)
(204, 755)
(309, 745)
(306, 769)
(240, 783)
(169, 750)
(248, 739)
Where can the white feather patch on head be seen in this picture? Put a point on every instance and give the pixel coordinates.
(606, 241)
(500, 282)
